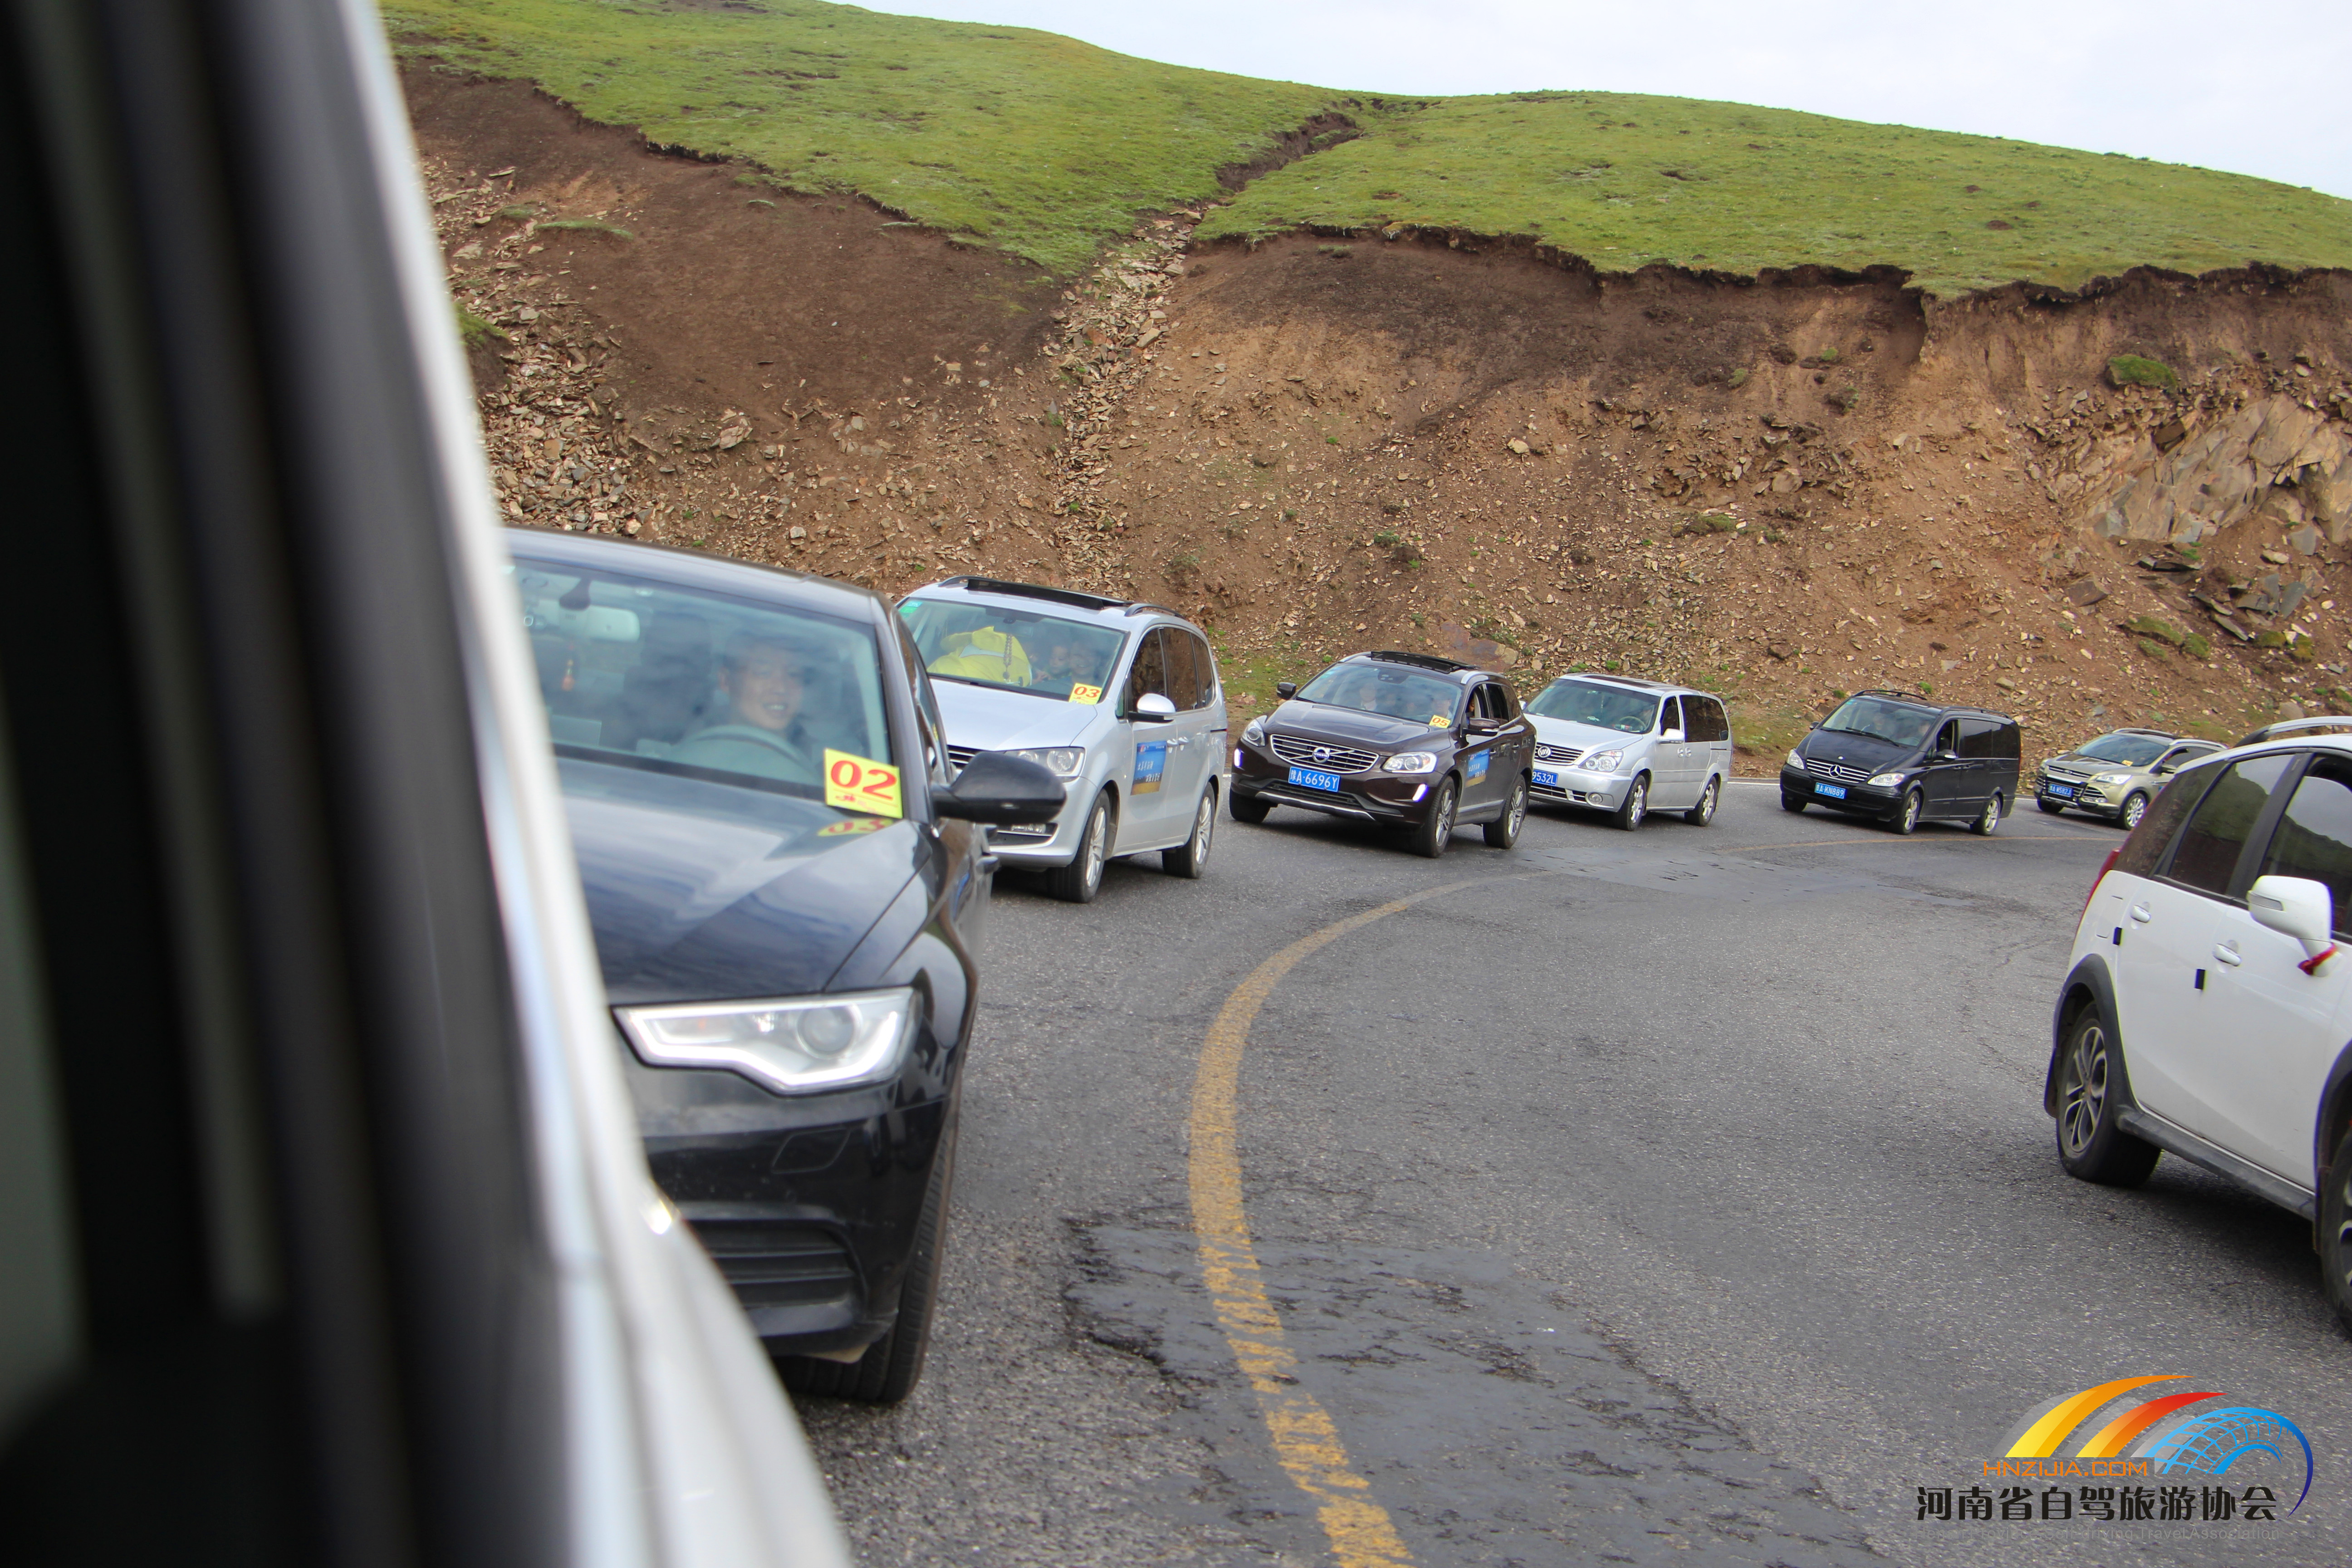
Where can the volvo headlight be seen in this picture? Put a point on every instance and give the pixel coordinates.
(2111, 778)
(1797, 760)
(1254, 733)
(1412, 763)
(1603, 762)
(1064, 761)
(1887, 781)
(796, 1045)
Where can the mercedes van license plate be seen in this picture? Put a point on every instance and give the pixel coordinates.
(1835, 792)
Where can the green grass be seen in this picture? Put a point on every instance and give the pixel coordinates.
(1626, 180)
(1047, 147)
(2131, 370)
(1038, 144)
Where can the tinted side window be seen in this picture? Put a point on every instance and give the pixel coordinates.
(1183, 671)
(1205, 662)
(1670, 714)
(2313, 836)
(1980, 738)
(1506, 703)
(1149, 672)
(2207, 855)
(2143, 850)
(1707, 720)
(1948, 738)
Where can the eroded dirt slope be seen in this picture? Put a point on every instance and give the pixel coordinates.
(1782, 489)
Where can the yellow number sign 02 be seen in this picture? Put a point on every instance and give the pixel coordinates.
(860, 784)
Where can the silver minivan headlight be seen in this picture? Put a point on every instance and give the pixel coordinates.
(792, 1045)
(1603, 761)
(1064, 761)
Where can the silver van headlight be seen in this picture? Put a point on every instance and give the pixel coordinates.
(792, 1044)
(1066, 762)
(1603, 761)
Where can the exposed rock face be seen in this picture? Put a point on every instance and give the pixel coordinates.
(2273, 458)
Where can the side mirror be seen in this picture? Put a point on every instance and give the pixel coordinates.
(996, 786)
(1943, 756)
(2297, 906)
(1285, 689)
(1670, 735)
(2164, 770)
(1480, 726)
(1154, 708)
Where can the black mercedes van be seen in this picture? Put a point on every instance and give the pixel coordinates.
(1903, 761)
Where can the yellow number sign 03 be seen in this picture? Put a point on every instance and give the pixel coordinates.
(1086, 694)
(852, 783)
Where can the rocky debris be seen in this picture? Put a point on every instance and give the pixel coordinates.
(2273, 457)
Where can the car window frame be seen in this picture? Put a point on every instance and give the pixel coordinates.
(2311, 762)
(2258, 835)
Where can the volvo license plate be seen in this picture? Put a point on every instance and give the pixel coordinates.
(1309, 778)
(1835, 792)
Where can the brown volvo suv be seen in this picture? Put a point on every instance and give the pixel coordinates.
(1404, 739)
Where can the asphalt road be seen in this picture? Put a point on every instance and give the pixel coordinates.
(1690, 1201)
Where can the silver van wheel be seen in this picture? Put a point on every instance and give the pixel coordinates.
(1081, 879)
(1637, 803)
(1703, 813)
(1191, 858)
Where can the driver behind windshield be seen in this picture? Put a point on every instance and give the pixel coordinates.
(985, 653)
(762, 731)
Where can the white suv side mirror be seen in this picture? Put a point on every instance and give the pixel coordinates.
(2297, 906)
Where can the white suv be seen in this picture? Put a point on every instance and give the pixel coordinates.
(2206, 1009)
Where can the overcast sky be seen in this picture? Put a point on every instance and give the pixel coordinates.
(2266, 91)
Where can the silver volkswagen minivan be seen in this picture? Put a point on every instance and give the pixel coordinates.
(1121, 699)
(1628, 747)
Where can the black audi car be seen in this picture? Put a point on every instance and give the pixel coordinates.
(786, 889)
(1403, 740)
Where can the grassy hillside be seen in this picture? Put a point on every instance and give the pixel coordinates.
(1626, 179)
(1045, 147)
(1034, 143)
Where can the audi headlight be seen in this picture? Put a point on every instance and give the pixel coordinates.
(792, 1047)
(1254, 733)
(1064, 761)
(1797, 760)
(1603, 761)
(1412, 763)
(1887, 781)
(2111, 778)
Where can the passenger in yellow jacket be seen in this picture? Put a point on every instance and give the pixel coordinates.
(987, 654)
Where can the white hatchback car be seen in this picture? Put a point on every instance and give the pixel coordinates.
(2206, 1009)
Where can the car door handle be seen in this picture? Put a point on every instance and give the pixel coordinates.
(2226, 953)
(2141, 913)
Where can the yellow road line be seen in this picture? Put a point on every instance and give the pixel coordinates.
(1306, 1440)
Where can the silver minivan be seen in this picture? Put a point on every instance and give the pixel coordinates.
(1121, 699)
(1628, 747)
